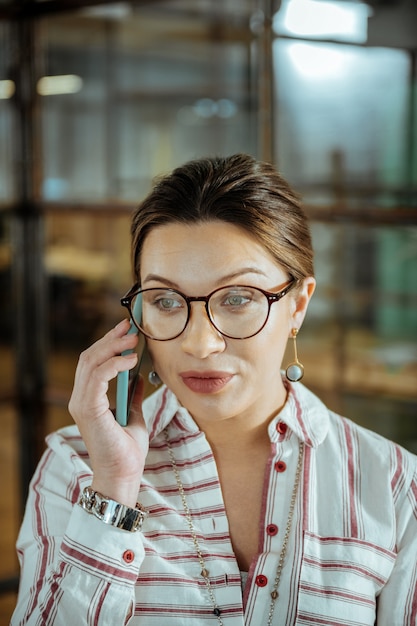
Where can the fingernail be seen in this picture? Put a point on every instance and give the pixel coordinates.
(120, 324)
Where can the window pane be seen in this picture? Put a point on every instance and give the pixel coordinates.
(339, 125)
(154, 91)
(7, 90)
(362, 326)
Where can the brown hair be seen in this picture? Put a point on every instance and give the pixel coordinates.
(236, 189)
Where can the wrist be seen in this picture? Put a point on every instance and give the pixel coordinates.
(111, 511)
(123, 490)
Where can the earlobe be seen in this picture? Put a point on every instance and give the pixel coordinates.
(302, 300)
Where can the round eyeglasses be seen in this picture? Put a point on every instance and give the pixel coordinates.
(236, 311)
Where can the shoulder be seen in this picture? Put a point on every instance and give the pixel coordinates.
(375, 455)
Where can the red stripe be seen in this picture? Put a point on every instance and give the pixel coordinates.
(179, 424)
(180, 611)
(159, 415)
(299, 415)
(98, 565)
(306, 487)
(355, 541)
(191, 489)
(351, 482)
(55, 595)
(159, 511)
(344, 565)
(165, 466)
(338, 594)
(100, 604)
(43, 541)
(161, 536)
(412, 599)
(267, 475)
(413, 499)
(325, 621)
(398, 476)
(191, 555)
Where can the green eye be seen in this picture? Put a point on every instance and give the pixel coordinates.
(236, 300)
(167, 304)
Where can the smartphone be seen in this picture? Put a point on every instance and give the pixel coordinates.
(126, 381)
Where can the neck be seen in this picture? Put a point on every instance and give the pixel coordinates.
(241, 433)
(234, 436)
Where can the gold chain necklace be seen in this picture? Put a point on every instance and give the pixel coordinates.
(204, 570)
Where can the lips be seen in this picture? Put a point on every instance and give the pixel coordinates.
(206, 382)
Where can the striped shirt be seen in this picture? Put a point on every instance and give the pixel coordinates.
(352, 552)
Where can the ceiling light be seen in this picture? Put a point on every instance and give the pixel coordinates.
(7, 89)
(318, 18)
(57, 85)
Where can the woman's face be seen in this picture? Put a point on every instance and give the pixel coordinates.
(214, 377)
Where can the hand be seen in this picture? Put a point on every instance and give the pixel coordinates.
(117, 453)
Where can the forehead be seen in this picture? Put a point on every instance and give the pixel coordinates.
(203, 253)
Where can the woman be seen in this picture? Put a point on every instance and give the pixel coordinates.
(258, 505)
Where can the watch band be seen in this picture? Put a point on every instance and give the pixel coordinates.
(112, 512)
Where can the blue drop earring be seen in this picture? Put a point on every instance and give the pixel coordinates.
(295, 370)
(154, 378)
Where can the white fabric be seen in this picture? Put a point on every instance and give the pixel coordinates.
(352, 554)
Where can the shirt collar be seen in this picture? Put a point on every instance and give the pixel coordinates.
(302, 412)
(162, 408)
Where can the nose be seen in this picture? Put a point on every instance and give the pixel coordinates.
(200, 339)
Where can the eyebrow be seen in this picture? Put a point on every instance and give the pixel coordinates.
(232, 276)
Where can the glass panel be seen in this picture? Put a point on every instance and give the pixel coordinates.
(149, 90)
(6, 309)
(7, 89)
(9, 461)
(341, 133)
(88, 268)
(9, 504)
(362, 326)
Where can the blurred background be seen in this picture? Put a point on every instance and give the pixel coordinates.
(97, 98)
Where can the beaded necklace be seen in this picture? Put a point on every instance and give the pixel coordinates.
(204, 571)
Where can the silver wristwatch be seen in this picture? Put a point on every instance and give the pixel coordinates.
(112, 512)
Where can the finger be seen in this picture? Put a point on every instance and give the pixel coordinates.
(91, 384)
(110, 368)
(107, 350)
(115, 341)
(99, 364)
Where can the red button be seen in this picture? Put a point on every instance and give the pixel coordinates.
(282, 428)
(128, 556)
(261, 580)
(272, 529)
(280, 466)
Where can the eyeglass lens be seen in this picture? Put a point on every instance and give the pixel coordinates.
(237, 312)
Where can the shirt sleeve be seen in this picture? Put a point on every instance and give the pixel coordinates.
(75, 569)
(397, 603)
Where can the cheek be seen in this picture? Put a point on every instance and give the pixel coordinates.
(162, 354)
(272, 341)
(266, 348)
(153, 350)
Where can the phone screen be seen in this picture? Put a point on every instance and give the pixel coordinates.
(126, 381)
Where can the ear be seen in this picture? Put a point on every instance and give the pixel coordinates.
(301, 301)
